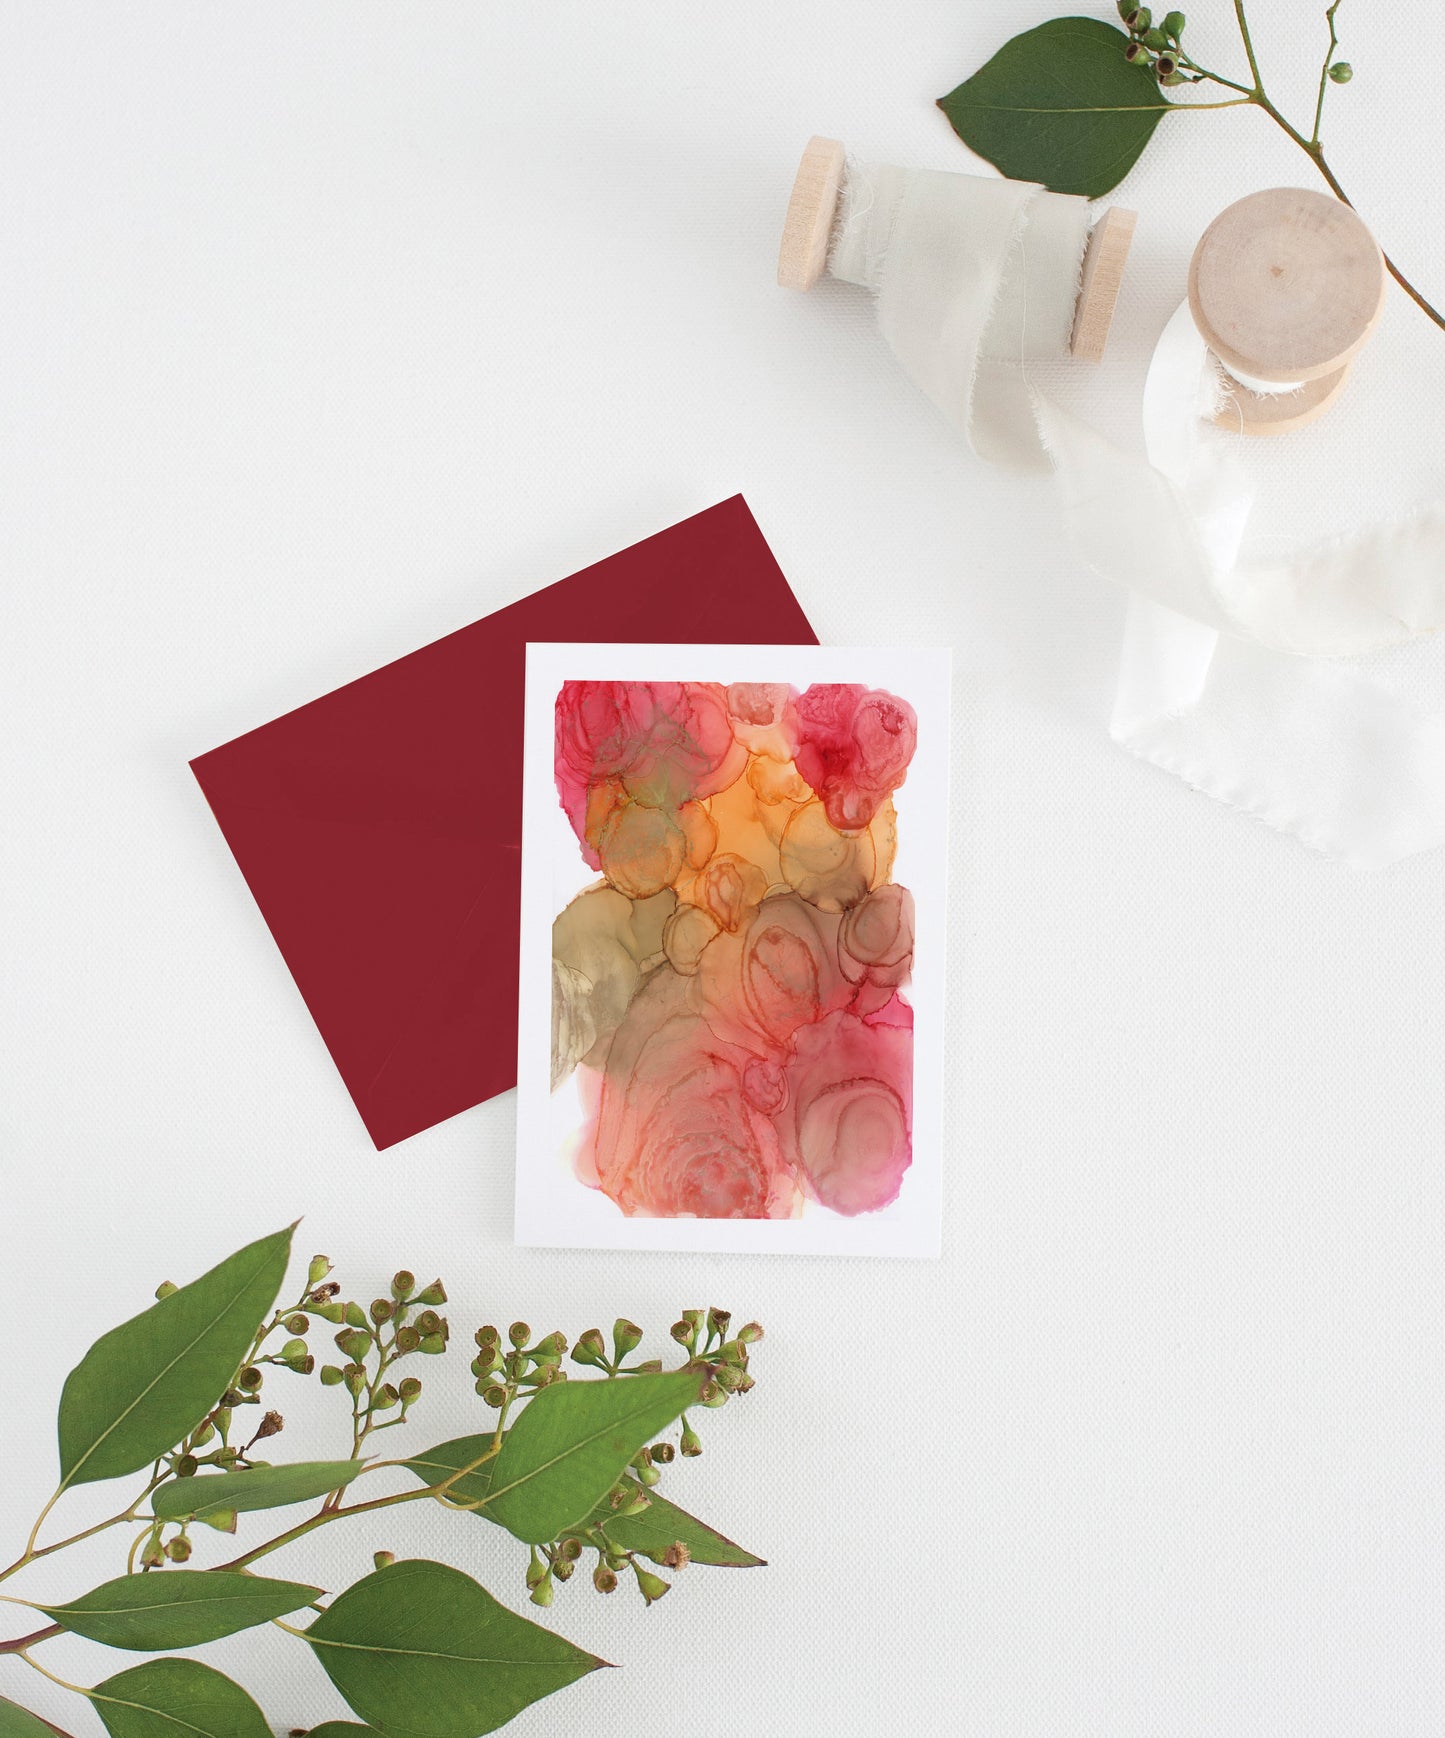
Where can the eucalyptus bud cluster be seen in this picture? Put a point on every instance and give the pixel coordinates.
(1157, 46)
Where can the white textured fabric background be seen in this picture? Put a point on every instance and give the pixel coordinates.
(326, 329)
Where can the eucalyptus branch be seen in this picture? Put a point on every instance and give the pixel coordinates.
(1248, 41)
(558, 1461)
(1160, 48)
(1329, 62)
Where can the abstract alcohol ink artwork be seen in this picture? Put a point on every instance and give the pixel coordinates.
(732, 917)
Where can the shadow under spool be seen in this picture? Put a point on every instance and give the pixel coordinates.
(1285, 288)
(808, 229)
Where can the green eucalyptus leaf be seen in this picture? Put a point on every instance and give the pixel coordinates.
(340, 1729)
(435, 1464)
(177, 1699)
(573, 1443)
(419, 1650)
(1060, 105)
(261, 1487)
(142, 1386)
(18, 1722)
(658, 1527)
(661, 1525)
(177, 1608)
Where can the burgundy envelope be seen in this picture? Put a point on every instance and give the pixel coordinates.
(379, 827)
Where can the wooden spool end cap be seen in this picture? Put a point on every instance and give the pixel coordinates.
(1103, 273)
(1244, 411)
(1287, 285)
(803, 252)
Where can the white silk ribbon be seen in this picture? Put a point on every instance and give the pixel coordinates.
(1230, 676)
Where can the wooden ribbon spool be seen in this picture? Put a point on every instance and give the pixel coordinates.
(808, 228)
(1285, 287)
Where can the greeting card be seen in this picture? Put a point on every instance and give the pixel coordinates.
(732, 951)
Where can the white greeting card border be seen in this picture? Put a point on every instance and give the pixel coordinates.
(553, 1209)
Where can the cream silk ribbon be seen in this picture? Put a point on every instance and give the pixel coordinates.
(1230, 675)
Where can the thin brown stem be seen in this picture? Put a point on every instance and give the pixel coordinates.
(1325, 71)
(21, 1642)
(325, 1516)
(1248, 44)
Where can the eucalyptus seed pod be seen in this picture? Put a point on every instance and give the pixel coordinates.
(318, 1270)
(717, 1322)
(328, 1311)
(570, 1550)
(431, 1344)
(407, 1339)
(221, 1520)
(271, 1425)
(331, 1374)
(355, 1343)
(293, 1349)
(662, 1453)
(677, 1555)
(185, 1466)
(487, 1336)
(435, 1293)
(604, 1579)
(382, 1310)
(652, 1587)
(355, 1378)
(536, 1569)
(495, 1395)
(691, 1443)
(179, 1548)
(751, 1333)
(250, 1379)
(167, 1288)
(409, 1388)
(403, 1284)
(682, 1333)
(297, 1323)
(383, 1559)
(590, 1348)
(1174, 24)
(355, 1315)
(519, 1333)
(1342, 72)
(626, 1337)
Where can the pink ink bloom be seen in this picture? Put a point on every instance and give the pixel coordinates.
(657, 744)
(853, 747)
(848, 1124)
